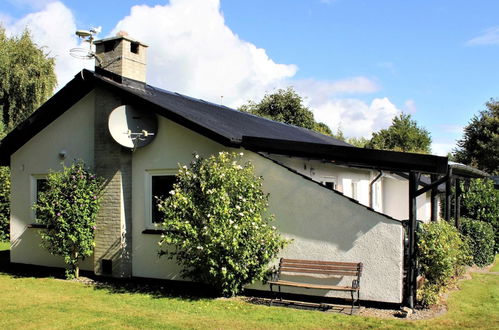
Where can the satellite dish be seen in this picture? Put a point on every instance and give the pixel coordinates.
(132, 128)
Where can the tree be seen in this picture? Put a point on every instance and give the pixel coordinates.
(403, 135)
(27, 77)
(480, 202)
(216, 225)
(479, 146)
(4, 196)
(360, 142)
(286, 106)
(69, 208)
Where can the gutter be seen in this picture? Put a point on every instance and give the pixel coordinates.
(371, 184)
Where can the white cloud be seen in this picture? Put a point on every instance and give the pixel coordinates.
(192, 51)
(442, 148)
(410, 106)
(356, 118)
(489, 36)
(53, 28)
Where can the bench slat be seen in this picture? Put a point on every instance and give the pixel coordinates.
(319, 262)
(316, 271)
(320, 267)
(313, 286)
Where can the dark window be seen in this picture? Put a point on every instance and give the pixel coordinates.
(41, 186)
(328, 184)
(161, 185)
(134, 47)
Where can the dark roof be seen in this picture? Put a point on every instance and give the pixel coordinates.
(227, 126)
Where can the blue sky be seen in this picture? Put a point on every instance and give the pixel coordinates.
(357, 63)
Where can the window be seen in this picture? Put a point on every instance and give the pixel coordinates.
(159, 186)
(41, 186)
(329, 184)
(38, 185)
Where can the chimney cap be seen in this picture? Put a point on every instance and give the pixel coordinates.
(122, 33)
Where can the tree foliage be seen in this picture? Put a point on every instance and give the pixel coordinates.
(216, 225)
(286, 106)
(441, 254)
(360, 142)
(480, 202)
(69, 208)
(480, 237)
(27, 77)
(403, 135)
(479, 146)
(4, 196)
(4, 202)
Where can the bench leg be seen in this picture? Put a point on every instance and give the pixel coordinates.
(358, 298)
(353, 301)
(273, 294)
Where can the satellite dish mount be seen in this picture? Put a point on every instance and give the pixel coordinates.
(132, 128)
(83, 53)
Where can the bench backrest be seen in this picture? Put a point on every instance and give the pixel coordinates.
(320, 267)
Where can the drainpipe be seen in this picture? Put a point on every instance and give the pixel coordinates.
(371, 184)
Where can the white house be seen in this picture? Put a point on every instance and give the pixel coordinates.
(335, 201)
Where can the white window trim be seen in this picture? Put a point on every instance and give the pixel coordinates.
(148, 193)
(34, 190)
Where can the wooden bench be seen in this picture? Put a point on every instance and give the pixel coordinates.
(314, 268)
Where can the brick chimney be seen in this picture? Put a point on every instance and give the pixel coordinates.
(126, 57)
(122, 55)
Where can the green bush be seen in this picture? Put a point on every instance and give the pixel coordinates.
(216, 225)
(4, 202)
(480, 237)
(68, 208)
(481, 202)
(441, 255)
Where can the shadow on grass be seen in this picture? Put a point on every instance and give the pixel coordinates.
(154, 287)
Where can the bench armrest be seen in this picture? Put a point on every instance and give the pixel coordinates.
(355, 284)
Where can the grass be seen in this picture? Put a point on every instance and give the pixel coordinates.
(30, 302)
(495, 268)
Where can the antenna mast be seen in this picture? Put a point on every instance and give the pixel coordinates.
(87, 36)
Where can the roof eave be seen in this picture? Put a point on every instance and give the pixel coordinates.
(361, 157)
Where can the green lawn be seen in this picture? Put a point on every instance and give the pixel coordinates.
(495, 268)
(28, 302)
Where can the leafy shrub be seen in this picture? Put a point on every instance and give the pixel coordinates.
(481, 202)
(68, 208)
(481, 240)
(441, 255)
(215, 220)
(4, 202)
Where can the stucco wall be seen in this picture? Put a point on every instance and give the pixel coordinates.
(172, 145)
(73, 132)
(327, 226)
(323, 224)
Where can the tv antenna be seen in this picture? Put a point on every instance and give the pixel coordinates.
(87, 36)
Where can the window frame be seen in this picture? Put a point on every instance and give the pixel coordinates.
(34, 192)
(149, 224)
